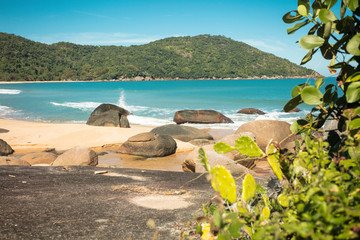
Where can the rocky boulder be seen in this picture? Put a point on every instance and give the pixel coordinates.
(13, 161)
(81, 156)
(183, 133)
(251, 111)
(200, 116)
(149, 145)
(5, 148)
(265, 130)
(39, 158)
(192, 164)
(109, 115)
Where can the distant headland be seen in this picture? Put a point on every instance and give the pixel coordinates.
(202, 57)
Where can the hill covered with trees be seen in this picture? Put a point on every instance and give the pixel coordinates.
(199, 57)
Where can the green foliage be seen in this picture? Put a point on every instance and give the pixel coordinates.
(320, 180)
(196, 57)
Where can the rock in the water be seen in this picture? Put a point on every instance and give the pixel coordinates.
(109, 115)
(81, 156)
(265, 130)
(251, 111)
(293, 110)
(191, 164)
(13, 161)
(149, 145)
(200, 116)
(39, 158)
(183, 133)
(5, 148)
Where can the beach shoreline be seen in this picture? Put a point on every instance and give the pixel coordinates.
(29, 137)
(159, 80)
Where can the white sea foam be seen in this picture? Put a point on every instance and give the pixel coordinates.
(9, 91)
(8, 112)
(85, 106)
(122, 103)
(148, 121)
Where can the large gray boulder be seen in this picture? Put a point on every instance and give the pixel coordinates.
(251, 111)
(200, 116)
(149, 145)
(39, 158)
(109, 115)
(5, 148)
(183, 133)
(265, 130)
(81, 156)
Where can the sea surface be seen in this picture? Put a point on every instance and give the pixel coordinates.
(151, 103)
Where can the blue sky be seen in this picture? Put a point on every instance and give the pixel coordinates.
(128, 22)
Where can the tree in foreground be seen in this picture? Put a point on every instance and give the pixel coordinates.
(317, 186)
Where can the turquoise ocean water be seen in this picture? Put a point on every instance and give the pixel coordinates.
(151, 103)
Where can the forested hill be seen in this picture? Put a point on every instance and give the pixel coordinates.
(198, 57)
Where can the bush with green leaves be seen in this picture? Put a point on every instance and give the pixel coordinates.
(320, 179)
(320, 197)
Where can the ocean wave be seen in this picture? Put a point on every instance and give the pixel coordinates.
(148, 121)
(8, 112)
(85, 106)
(9, 91)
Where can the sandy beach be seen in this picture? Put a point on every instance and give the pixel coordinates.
(25, 137)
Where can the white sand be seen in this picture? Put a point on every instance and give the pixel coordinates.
(23, 136)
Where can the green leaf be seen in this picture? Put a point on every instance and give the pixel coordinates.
(221, 147)
(353, 5)
(290, 105)
(273, 160)
(354, 77)
(353, 92)
(326, 15)
(297, 90)
(353, 45)
(235, 229)
(204, 160)
(248, 188)
(246, 146)
(303, 7)
(289, 18)
(296, 27)
(298, 126)
(319, 82)
(308, 56)
(311, 96)
(265, 214)
(311, 41)
(354, 124)
(223, 182)
(283, 200)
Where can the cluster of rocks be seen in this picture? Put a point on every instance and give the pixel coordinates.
(161, 141)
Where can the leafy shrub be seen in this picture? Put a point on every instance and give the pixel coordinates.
(319, 183)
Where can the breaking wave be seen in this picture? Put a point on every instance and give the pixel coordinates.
(9, 91)
(84, 106)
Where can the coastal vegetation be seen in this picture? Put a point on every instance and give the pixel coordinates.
(199, 57)
(317, 185)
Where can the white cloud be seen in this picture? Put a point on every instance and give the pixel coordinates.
(268, 46)
(97, 38)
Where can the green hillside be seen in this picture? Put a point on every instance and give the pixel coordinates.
(198, 57)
